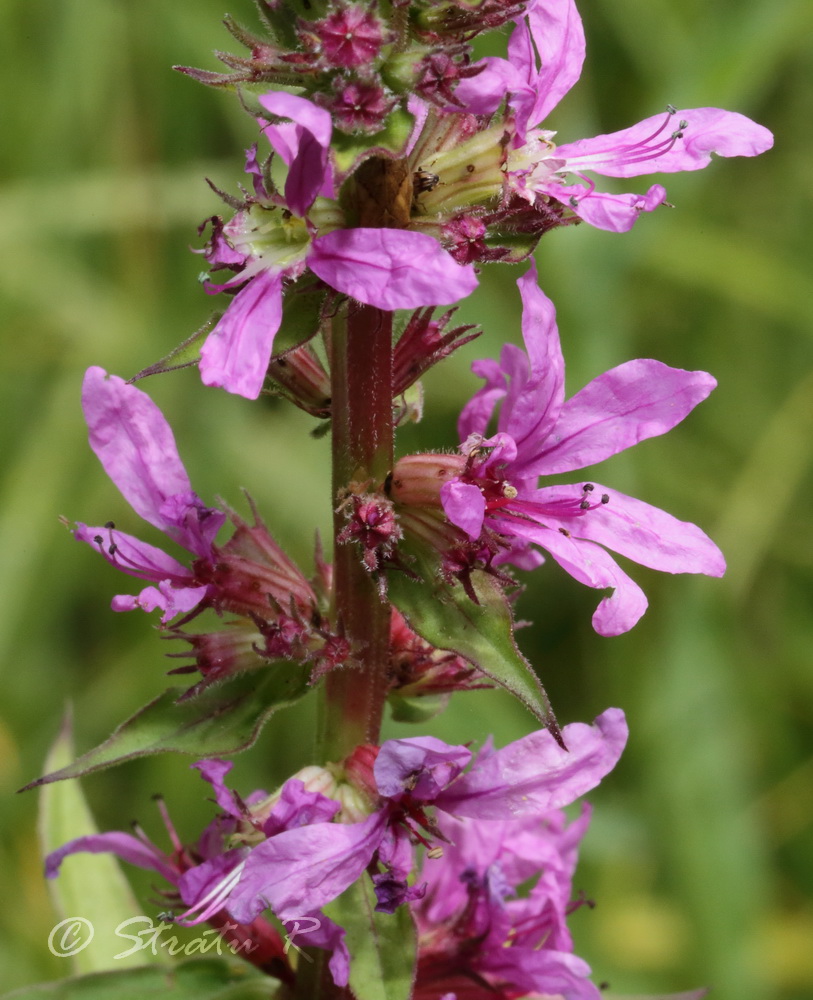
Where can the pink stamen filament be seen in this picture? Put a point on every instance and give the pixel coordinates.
(637, 152)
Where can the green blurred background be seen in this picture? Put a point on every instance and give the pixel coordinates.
(701, 853)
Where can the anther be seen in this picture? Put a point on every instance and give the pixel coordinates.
(588, 488)
(605, 497)
(585, 505)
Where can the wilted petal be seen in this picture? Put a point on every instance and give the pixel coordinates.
(464, 505)
(236, 353)
(648, 147)
(421, 766)
(135, 444)
(534, 774)
(214, 771)
(635, 401)
(308, 147)
(171, 600)
(123, 845)
(390, 268)
(303, 869)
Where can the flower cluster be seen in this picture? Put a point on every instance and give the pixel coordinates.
(295, 851)
(390, 165)
(477, 174)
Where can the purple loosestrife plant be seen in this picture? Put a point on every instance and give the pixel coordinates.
(395, 166)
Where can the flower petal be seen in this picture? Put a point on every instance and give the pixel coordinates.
(464, 505)
(476, 414)
(647, 148)
(635, 401)
(170, 599)
(236, 353)
(123, 845)
(421, 766)
(390, 268)
(593, 566)
(554, 29)
(484, 92)
(615, 213)
(214, 771)
(132, 556)
(135, 444)
(536, 380)
(307, 149)
(644, 533)
(303, 869)
(534, 774)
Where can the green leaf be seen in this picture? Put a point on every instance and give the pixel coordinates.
(482, 632)
(201, 979)
(382, 946)
(184, 355)
(93, 886)
(222, 720)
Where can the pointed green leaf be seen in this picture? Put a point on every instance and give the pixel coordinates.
(184, 355)
(382, 946)
(200, 979)
(482, 632)
(94, 888)
(222, 720)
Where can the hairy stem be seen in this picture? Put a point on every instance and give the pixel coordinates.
(361, 372)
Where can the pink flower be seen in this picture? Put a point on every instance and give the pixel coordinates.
(249, 576)
(545, 57)
(317, 862)
(279, 238)
(539, 433)
(473, 927)
(288, 851)
(136, 446)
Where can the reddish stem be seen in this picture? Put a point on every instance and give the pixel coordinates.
(361, 374)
